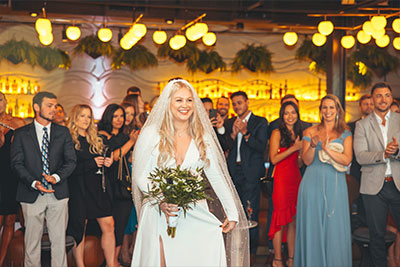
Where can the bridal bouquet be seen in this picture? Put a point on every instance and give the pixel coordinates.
(182, 187)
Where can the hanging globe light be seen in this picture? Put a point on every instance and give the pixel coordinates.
(396, 43)
(209, 39)
(325, 27)
(159, 37)
(196, 31)
(202, 28)
(378, 22)
(128, 42)
(191, 34)
(383, 41)
(396, 25)
(43, 26)
(318, 39)
(139, 30)
(104, 34)
(378, 33)
(367, 27)
(73, 33)
(177, 42)
(348, 41)
(46, 39)
(363, 37)
(290, 38)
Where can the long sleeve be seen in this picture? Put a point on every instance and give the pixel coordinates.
(361, 149)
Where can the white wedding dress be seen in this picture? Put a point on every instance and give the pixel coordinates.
(199, 240)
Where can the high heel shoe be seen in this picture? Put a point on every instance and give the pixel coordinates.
(274, 264)
(290, 262)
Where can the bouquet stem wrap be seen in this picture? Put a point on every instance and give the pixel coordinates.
(173, 222)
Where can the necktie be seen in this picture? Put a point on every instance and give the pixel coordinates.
(45, 156)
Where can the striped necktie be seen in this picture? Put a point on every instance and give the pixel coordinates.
(45, 156)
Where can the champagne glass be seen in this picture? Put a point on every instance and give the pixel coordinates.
(105, 154)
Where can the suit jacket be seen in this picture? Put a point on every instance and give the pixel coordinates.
(252, 151)
(27, 163)
(355, 168)
(369, 150)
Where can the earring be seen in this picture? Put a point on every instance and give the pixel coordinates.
(337, 117)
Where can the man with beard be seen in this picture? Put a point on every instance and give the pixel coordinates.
(377, 150)
(247, 140)
(43, 156)
(223, 108)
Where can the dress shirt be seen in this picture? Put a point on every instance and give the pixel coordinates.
(384, 131)
(239, 138)
(39, 134)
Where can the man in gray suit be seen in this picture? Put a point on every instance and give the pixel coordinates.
(43, 157)
(377, 151)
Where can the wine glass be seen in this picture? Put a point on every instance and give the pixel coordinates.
(105, 152)
(249, 211)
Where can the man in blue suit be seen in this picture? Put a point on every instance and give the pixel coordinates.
(247, 137)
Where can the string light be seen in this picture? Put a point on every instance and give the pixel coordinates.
(325, 27)
(348, 41)
(396, 43)
(43, 26)
(367, 27)
(177, 42)
(378, 22)
(290, 38)
(104, 34)
(396, 25)
(378, 33)
(159, 37)
(209, 39)
(383, 41)
(73, 33)
(46, 39)
(139, 30)
(363, 37)
(318, 39)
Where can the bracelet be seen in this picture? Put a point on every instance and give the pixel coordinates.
(312, 146)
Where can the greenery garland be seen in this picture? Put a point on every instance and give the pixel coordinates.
(95, 48)
(253, 58)
(21, 51)
(311, 53)
(138, 57)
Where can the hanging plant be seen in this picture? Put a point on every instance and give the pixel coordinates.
(51, 58)
(95, 48)
(313, 54)
(208, 62)
(138, 57)
(254, 58)
(357, 72)
(188, 52)
(379, 60)
(19, 51)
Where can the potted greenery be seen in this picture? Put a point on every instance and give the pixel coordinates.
(253, 58)
(92, 46)
(138, 57)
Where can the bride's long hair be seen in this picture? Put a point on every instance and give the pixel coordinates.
(167, 131)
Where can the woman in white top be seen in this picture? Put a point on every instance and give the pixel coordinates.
(178, 132)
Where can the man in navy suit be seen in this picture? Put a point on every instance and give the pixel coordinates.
(247, 137)
(43, 157)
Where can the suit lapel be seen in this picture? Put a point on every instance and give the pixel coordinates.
(377, 129)
(52, 137)
(32, 133)
(392, 124)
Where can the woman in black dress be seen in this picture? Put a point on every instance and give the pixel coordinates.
(8, 181)
(90, 192)
(111, 127)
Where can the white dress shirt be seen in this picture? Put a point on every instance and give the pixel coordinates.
(384, 131)
(239, 138)
(39, 133)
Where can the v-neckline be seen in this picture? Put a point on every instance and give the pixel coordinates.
(184, 158)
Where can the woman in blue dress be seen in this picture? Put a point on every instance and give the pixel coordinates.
(323, 235)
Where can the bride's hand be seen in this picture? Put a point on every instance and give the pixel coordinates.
(228, 226)
(168, 208)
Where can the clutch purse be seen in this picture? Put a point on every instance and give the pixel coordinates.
(325, 158)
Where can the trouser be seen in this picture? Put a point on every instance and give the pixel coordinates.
(56, 214)
(249, 191)
(376, 208)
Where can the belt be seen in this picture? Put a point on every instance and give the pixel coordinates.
(238, 163)
(388, 179)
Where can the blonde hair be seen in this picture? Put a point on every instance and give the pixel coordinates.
(167, 131)
(95, 142)
(340, 122)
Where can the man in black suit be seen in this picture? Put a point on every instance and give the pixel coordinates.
(247, 139)
(43, 156)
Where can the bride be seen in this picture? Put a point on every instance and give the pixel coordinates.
(178, 132)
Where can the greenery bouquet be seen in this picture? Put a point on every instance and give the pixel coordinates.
(182, 187)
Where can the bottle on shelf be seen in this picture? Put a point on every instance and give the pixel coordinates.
(22, 88)
(36, 87)
(16, 108)
(7, 87)
(14, 87)
(29, 88)
(30, 111)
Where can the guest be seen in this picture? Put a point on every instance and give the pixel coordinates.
(247, 140)
(285, 144)
(60, 116)
(133, 91)
(130, 114)
(208, 104)
(137, 102)
(43, 188)
(377, 151)
(395, 106)
(178, 133)
(111, 127)
(323, 236)
(8, 182)
(223, 107)
(366, 106)
(90, 195)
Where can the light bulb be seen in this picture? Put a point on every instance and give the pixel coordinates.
(363, 37)
(139, 30)
(367, 27)
(325, 27)
(177, 42)
(104, 34)
(159, 37)
(318, 39)
(378, 33)
(43, 26)
(290, 38)
(209, 39)
(396, 25)
(378, 22)
(383, 41)
(46, 39)
(396, 43)
(73, 33)
(347, 41)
